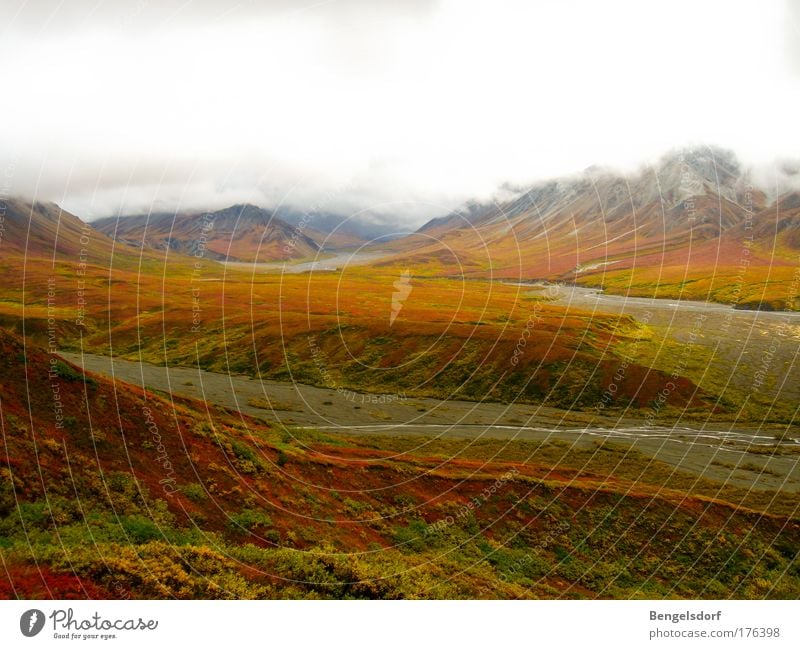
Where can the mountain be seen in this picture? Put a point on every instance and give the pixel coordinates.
(685, 219)
(44, 230)
(781, 222)
(341, 230)
(238, 233)
(586, 219)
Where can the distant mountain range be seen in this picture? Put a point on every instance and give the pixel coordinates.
(336, 226)
(242, 233)
(694, 216)
(238, 233)
(565, 227)
(692, 225)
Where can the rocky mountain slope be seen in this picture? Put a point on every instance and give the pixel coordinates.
(236, 233)
(694, 216)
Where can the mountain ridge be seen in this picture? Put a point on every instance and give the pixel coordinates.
(696, 214)
(240, 232)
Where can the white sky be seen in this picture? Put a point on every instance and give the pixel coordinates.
(405, 108)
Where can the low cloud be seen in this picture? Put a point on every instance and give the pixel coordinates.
(398, 109)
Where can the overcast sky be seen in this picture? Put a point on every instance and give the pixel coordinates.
(403, 108)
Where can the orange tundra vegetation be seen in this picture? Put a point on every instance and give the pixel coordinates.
(136, 495)
(467, 339)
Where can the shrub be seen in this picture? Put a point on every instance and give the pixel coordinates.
(412, 536)
(249, 519)
(69, 373)
(7, 498)
(195, 492)
(273, 536)
(140, 529)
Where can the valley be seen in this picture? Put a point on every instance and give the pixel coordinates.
(578, 391)
(711, 452)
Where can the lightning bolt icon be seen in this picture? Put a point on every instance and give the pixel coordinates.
(32, 621)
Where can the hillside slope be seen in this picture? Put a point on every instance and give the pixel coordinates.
(108, 491)
(44, 230)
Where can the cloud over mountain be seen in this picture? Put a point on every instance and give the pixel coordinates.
(402, 109)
